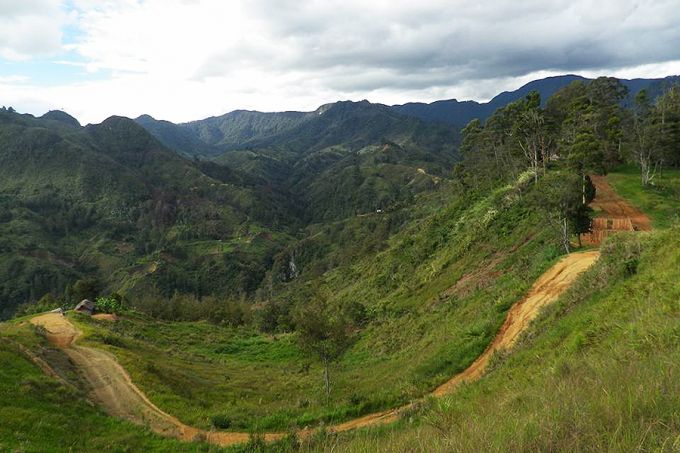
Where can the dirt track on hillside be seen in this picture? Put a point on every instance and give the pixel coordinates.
(57, 329)
(112, 388)
(612, 205)
(545, 291)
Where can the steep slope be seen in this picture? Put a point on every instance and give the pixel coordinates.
(181, 140)
(112, 389)
(98, 367)
(243, 128)
(39, 413)
(596, 372)
(352, 125)
(429, 300)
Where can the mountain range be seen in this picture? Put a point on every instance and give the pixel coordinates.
(210, 206)
(331, 123)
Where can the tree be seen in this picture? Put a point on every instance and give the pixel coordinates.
(585, 155)
(668, 112)
(559, 195)
(531, 133)
(605, 95)
(590, 110)
(86, 289)
(646, 133)
(325, 334)
(110, 304)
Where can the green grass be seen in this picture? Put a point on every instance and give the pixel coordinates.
(422, 325)
(39, 414)
(597, 372)
(660, 201)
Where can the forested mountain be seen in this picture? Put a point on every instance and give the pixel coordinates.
(113, 204)
(109, 204)
(352, 125)
(104, 202)
(343, 159)
(252, 254)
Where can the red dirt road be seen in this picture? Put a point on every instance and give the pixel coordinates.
(613, 213)
(112, 388)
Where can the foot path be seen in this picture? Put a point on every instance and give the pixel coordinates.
(110, 385)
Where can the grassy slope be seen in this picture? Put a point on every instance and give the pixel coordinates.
(614, 338)
(423, 326)
(660, 201)
(597, 372)
(39, 414)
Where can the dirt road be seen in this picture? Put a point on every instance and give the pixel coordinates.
(57, 329)
(545, 291)
(613, 213)
(112, 389)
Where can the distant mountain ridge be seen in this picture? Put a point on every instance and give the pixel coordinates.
(359, 123)
(341, 159)
(350, 124)
(460, 113)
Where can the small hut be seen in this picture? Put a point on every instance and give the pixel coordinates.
(85, 307)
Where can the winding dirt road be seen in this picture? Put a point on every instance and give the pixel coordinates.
(112, 389)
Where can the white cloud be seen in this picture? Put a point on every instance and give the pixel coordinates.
(186, 59)
(30, 28)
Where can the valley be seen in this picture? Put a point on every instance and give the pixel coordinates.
(350, 278)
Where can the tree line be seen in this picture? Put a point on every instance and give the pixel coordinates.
(584, 128)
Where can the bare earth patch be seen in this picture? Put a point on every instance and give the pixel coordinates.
(105, 317)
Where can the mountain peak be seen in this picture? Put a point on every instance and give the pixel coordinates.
(62, 117)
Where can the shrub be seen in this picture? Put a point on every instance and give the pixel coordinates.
(108, 304)
(221, 421)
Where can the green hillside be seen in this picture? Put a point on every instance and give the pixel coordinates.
(111, 206)
(597, 372)
(343, 159)
(350, 261)
(41, 414)
(561, 388)
(417, 330)
(351, 124)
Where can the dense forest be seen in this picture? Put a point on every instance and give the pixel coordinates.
(109, 210)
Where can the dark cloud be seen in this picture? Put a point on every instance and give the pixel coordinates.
(428, 43)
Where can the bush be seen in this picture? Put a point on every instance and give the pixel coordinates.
(108, 304)
(221, 421)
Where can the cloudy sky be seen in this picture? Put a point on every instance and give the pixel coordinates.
(188, 59)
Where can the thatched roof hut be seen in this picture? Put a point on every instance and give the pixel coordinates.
(85, 307)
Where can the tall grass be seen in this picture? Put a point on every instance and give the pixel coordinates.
(599, 371)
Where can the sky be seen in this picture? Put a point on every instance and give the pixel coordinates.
(183, 60)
